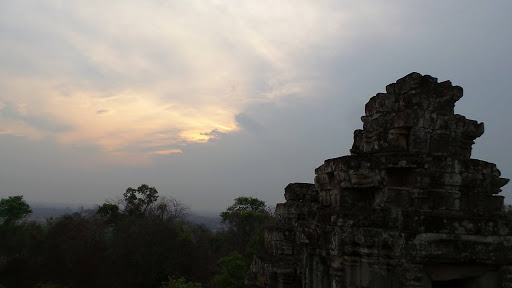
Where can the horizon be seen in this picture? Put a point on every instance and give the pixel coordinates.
(78, 206)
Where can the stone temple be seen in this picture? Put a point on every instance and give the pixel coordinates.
(407, 208)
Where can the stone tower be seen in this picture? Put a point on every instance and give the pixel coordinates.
(408, 207)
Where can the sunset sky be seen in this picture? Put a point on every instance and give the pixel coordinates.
(209, 100)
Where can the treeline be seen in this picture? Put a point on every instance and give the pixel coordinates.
(142, 241)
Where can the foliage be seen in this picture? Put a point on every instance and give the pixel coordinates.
(20, 246)
(245, 215)
(13, 209)
(74, 251)
(139, 200)
(108, 210)
(51, 285)
(109, 213)
(233, 271)
(168, 207)
(245, 219)
(246, 204)
(135, 243)
(180, 283)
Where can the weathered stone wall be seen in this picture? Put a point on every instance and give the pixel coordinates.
(407, 208)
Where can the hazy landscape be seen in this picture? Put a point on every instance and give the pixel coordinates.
(142, 240)
(40, 212)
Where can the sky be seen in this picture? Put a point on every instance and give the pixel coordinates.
(211, 100)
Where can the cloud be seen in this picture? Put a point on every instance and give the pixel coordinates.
(214, 134)
(167, 152)
(116, 74)
(44, 123)
(247, 122)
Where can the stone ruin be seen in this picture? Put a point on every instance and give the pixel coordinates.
(407, 208)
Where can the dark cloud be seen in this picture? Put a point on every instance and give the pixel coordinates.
(246, 122)
(214, 134)
(45, 123)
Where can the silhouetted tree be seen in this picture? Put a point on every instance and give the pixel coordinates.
(168, 207)
(109, 212)
(13, 209)
(74, 251)
(245, 219)
(140, 242)
(138, 201)
(180, 283)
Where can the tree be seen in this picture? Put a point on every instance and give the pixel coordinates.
(51, 285)
(233, 271)
(109, 212)
(246, 204)
(170, 208)
(245, 219)
(74, 252)
(180, 283)
(244, 211)
(138, 201)
(13, 209)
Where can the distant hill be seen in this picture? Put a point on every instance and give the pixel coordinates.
(40, 212)
(211, 221)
